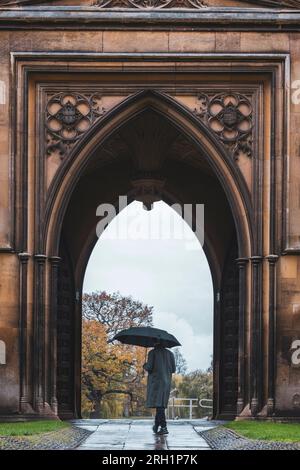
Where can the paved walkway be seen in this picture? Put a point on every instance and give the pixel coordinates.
(121, 434)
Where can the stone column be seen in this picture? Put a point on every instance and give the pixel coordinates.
(256, 353)
(55, 261)
(39, 334)
(272, 259)
(241, 401)
(25, 405)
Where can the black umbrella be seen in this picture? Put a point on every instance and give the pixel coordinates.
(147, 337)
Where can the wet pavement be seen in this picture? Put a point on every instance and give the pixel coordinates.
(126, 434)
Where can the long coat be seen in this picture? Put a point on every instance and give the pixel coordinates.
(160, 367)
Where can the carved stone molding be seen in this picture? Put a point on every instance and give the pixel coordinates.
(230, 117)
(150, 4)
(68, 117)
(277, 3)
(158, 4)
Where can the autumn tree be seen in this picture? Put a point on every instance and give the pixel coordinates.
(113, 379)
(115, 311)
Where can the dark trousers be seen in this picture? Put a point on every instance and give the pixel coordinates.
(160, 417)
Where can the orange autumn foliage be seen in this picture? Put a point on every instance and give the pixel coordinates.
(113, 381)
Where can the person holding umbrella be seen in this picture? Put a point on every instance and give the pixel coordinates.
(160, 366)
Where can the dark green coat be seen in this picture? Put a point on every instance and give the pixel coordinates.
(160, 367)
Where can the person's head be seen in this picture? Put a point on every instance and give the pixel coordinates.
(158, 345)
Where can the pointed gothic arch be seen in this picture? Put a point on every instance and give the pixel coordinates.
(186, 122)
(229, 277)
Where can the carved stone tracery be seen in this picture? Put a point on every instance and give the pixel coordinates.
(68, 117)
(230, 117)
(159, 4)
(150, 4)
(188, 4)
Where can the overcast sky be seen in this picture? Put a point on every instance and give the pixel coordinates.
(168, 271)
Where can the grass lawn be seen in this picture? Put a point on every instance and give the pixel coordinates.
(267, 431)
(30, 428)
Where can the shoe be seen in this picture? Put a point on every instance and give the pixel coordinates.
(162, 431)
(155, 428)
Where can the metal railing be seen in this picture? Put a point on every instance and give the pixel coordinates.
(206, 406)
(175, 403)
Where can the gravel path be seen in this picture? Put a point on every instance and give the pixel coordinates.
(68, 438)
(221, 438)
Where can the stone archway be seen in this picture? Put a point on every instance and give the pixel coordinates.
(152, 141)
(192, 62)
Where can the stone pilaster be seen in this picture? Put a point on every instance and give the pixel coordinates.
(241, 401)
(39, 334)
(25, 405)
(272, 260)
(256, 326)
(54, 261)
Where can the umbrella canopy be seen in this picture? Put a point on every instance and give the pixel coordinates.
(147, 337)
